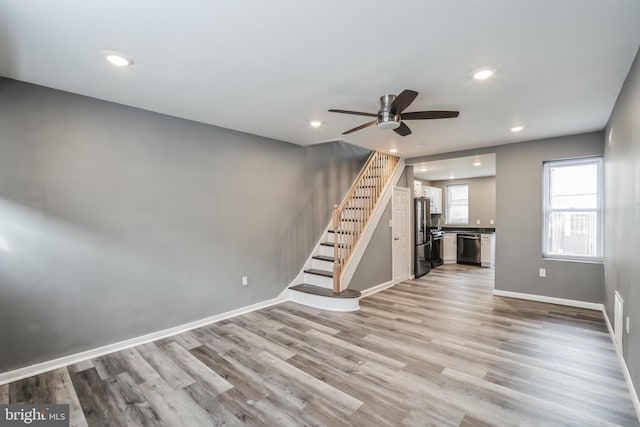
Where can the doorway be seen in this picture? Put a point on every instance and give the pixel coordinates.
(401, 219)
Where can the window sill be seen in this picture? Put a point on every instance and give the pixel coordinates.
(577, 260)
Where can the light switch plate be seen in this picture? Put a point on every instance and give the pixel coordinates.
(477, 222)
(627, 324)
(390, 223)
(543, 272)
(491, 222)
(245, 280)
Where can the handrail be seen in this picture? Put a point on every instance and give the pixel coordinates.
(351, 216)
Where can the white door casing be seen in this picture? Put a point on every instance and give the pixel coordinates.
(401, 219)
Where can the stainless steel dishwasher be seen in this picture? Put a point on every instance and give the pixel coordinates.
(469, 248)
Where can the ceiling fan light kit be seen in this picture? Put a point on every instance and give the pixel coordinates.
(390, 114)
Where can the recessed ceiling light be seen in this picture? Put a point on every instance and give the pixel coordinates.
(117, 59)
(423, 170)
(452, 177)
(315, 123)
(476, 163)
(483, 74)
(420, 145)
(393, 150)
(517, 128)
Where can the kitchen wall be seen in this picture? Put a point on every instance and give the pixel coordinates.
(622, 214)
(116, 222)
(519, 218)
(482, 200)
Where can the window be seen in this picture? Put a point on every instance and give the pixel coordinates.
(458, 204)
(573, 209)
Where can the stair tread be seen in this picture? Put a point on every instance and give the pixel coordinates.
(317, 272)
(323, 258)
(320, 291)
(328, 244)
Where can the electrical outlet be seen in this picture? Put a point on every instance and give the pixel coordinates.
(477, 222)
(543, 272)
(245, 280)
(491, 222)
(627, 324)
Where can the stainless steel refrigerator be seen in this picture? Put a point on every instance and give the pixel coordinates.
(422, 231)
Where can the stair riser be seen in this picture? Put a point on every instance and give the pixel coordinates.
(325, 303)
(353, 214)
(358, 203)
(326, 250)
(330, 237)
(347, 225)
(322, 281)
(318, 264)
(366, 191)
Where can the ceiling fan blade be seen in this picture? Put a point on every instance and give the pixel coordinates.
(424, 115)
(355, 113)
(402, 130)
(403, 100)
(366, 125)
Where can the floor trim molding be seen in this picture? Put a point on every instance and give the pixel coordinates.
(375, 289)
(550, 300)
(40, 368)
(625, 369)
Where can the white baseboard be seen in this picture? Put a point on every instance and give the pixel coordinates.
(40, 368)
(550, 300)
(374, 289)
(625, 369)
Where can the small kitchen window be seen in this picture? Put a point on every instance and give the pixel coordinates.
(458, 204)
(573, 219)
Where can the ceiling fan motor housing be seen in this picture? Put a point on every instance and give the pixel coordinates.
(387, 119)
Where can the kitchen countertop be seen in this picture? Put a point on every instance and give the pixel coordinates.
(469, 230)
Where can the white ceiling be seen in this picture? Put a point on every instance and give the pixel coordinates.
(268, 67)
(458, 168)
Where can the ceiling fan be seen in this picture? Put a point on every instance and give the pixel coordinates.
(391, 116)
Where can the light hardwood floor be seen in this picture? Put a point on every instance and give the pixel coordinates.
(438, 351)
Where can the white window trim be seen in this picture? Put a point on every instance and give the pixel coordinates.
(546, 209)
(449, 204)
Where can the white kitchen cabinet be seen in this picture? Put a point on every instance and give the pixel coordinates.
(435, 194)
(488, 250)
(417, 189)
(450, 252)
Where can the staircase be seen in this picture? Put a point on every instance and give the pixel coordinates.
(322, 285)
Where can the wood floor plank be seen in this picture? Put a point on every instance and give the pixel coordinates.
(165, 366)
(4, 394)
(440, 350)
(196, 369)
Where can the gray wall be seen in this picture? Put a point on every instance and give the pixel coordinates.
(622, 214)
(482, 200)
(116, 222)
(375, 266)
(519, 218)
(519, 222)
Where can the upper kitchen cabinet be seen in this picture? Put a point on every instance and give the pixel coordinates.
(435, 194)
